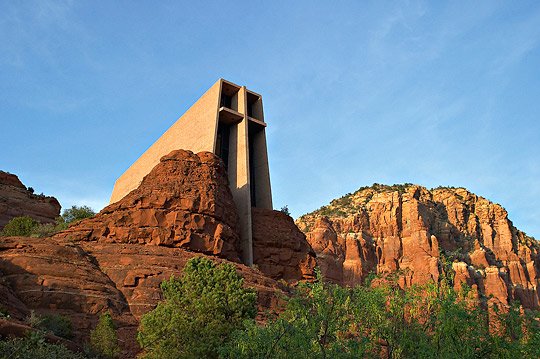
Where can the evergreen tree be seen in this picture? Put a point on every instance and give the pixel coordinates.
(200, 311)
(104, 339)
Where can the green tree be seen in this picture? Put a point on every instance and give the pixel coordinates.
(386, 321)
(104, 339)
(20, 226)
(200, 311)
(76, 213)
(59, 325)
(317, 323)
(285, 209)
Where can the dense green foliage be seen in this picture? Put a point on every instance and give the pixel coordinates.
(58, 325)
(104, 339)
(34, 346)
(323, 320)
(314, 325)
(431, 321)
(200, 311)
(76, 213)
(20, 226)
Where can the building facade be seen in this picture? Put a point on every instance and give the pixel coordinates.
(227, 120)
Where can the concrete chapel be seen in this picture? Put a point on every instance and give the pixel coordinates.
(227, 120)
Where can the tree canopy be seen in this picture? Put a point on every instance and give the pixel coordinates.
(200, 311)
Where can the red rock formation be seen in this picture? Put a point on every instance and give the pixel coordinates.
(184, 202)
(280, 249)
(116, 260)
(16, 200)
(81, 280)
(415, 231)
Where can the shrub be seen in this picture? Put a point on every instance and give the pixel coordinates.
(34, 346)
(285, 209)
(200, 311)
(76, 213)
(59, 325)
(20, 226)
(104, 339)
(26, 226)
(4, 313)
(33, 320)
(44, 230)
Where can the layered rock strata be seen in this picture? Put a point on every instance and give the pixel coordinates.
(81, 280)
(421, 234)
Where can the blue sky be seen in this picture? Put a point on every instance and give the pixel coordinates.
(354, 92)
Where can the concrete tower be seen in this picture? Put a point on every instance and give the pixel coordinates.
(227, 120)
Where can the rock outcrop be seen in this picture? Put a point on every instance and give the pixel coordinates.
(280, 249)
(421, 234)
(82, 280)
(184, 202)
(16, 200)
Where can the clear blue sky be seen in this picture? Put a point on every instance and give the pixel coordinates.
(354, 92)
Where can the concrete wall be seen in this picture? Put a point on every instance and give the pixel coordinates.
(194, 131)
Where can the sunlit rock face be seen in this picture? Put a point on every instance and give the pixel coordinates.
(16, 200)
(421, 234)
(184, 202)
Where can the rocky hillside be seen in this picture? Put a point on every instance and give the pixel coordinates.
(80, 280)
(421, 234)
(116, 260)
(17, 200)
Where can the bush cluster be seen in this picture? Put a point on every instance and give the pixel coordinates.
(208, 313)
(34, 346)
(26, 226)
(58, 325)
(200, 311)
(20, 226)
(103, 339)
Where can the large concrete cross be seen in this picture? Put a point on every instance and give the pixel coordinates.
(227, 120)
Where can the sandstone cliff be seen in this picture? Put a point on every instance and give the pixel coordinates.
(280, 249)
(17, 200)
(421, 234)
